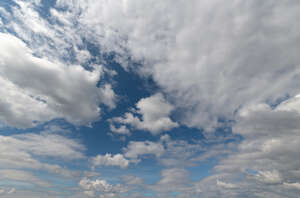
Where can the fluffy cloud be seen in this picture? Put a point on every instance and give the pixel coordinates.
(45, 82)
(211, 57)
(36, 90)
(100, 188)
(216, 61)
(210, 66)
(267, 157)
(154, 111)
(122, 130)
(110, 160)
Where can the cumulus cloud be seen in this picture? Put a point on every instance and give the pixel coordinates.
(267, 157)
(100, 188)
(210, 66)
(211, 57)
(47, 81)
(110, 160)
(36, 90)
(122, 130)
(154, 111)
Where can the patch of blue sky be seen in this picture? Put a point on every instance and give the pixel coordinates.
(45, 6)
(7, 4)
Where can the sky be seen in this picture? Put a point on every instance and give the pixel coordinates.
(149, 99)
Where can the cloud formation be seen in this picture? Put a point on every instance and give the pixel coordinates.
(267, 157)
(36, 90)
(232, 65)
(211, 57)
(154, 112)
(110, 160)
(21, 155)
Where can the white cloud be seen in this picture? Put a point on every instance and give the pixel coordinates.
(154, 111)
(11, 191)
(110, 160)
(37, 90)
(177, 153)
(100, 188)
(267, 158)
(211, 57)
(226, 185)
(199, 60)
(123, 130)
(264, 164)
(29, 151)
(97, 185)
(137, 149)
(269, 177)
(23, 176)
(210, 66)
(7, 191)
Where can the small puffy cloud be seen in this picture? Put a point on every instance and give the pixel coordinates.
(97, 185)
(110, 160)
(154, 112)
(122, 130)
(100, 188)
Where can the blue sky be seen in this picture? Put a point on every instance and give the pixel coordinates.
(149, 99)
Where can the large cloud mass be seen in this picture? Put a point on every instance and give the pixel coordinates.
(212, 57)
(35, 89)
